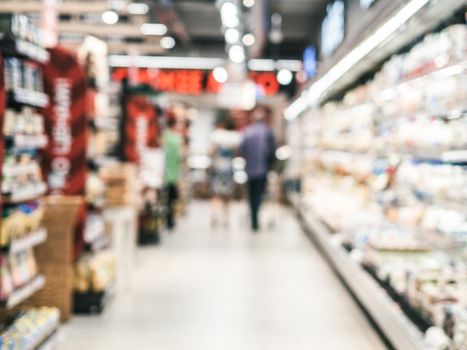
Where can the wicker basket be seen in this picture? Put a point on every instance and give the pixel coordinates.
(55, 256)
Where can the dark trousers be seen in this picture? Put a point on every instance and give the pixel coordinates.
(256, 189)
(172, 196)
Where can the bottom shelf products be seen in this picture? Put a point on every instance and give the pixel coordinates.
(29, 329)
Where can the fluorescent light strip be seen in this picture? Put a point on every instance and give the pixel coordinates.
(196, 63)
(261, 65)
(383, 33)
(297, 107)
(165, 62)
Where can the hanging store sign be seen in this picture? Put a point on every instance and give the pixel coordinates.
(333, 28)
(65, 161)
(140, 127)
(194, 81)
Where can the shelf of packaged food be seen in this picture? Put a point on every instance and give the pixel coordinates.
(23, 293)
(19, 47)
(20, 169)
(27, 142)
(446, 70)
(387, 315)
(25, 194)
(28, 97)
(30, 240)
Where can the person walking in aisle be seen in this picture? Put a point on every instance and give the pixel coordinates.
(224, 146)
(258, 147)
(172, 143)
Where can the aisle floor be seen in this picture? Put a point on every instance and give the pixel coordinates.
(228, 290)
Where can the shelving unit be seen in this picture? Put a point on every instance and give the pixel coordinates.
(29, 98)
(22, 101)
(383, 172)
(398, 329)
(27, 242)
(21, 48)
(21, 294)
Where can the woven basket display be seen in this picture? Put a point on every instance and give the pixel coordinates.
(55, 256)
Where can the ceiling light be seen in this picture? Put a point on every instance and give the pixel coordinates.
(153, 29)
(229, 15)
(284, 77)
(284, 152)
(248, 39)
(220, 75)
(138, 8)
(167, 42)
(248, 3)
(232, 36)
(237, 54)
(110, 17)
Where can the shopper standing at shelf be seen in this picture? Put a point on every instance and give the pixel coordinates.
(258, 147)
(172, 143)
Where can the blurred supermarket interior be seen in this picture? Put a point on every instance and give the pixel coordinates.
(233, 174)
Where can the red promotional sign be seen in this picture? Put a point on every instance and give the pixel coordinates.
(141, 127)
(65, 122)
(192, 81)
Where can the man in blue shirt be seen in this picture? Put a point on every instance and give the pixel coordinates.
(258, 148)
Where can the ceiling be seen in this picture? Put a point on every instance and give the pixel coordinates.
(300, 22)
(195, 24)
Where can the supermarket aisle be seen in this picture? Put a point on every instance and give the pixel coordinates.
(228, 290)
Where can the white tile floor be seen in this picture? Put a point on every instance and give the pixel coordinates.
(228, 289)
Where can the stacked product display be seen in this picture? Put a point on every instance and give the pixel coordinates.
(89, 283)
(386, 171)
(22, 185)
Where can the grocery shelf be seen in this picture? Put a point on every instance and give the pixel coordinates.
(27, 142)
(50, 341)
(19, 47)
(23, 293)
(26, 194)
(31, 240)
(396, 327)
(28, 97)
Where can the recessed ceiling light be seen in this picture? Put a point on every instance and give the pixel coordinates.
(237, 54)
(138, 8)
(284, 77)
(220, 74)
(232, 36)
(248, 3)
(248, 39)
(153, 29)
(110, 17)
(167, 42)
(229, 14)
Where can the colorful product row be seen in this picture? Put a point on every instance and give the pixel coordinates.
(29, 329)
(19, 221)
(23, 74)
(25, 122)
(16, 271)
